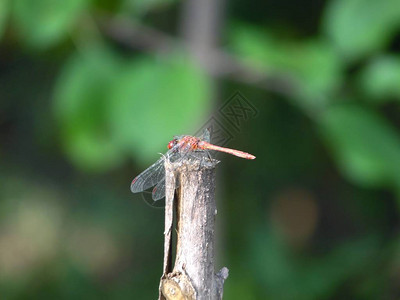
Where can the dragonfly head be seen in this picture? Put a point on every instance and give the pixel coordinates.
(172, 143)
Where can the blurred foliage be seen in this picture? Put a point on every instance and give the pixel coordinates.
(359, 28)
(312, 64)
(44, 23)
(98, 100)
(81, 96)
(380, 79)
(4, 7)
(85, 108)
(350, 130)
(168, 94)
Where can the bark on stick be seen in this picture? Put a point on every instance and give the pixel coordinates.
(193, 275)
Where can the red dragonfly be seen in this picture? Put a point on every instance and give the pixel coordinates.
(179, 147)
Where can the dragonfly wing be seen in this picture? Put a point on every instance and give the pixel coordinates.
(206, 135)
(149, 177)
(159, 190)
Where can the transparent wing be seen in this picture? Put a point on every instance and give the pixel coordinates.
(159, 191)
(149, 177)
(206, 135)
(155, 174)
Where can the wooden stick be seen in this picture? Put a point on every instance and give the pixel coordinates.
(193, 275)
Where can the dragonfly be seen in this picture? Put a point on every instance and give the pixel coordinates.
(179, 148)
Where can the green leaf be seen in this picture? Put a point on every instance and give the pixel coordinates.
(43, 23)
(4, 8)
(380, 79)
(311, 64)
(80, 102)
(359, 27)
(365, 146)
(156, 99)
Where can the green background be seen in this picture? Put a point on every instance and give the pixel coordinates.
(92, 90)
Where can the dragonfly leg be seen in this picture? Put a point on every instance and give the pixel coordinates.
(209, 155)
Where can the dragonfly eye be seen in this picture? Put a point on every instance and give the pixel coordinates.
(172, 143)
